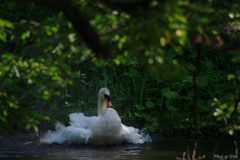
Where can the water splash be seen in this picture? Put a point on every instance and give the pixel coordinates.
(93, 130)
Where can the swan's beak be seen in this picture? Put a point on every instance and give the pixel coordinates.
(108, 100)
(109, 103)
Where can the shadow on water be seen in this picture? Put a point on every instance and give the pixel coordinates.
(28, 148)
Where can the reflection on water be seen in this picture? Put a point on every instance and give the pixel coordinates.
(157, 150)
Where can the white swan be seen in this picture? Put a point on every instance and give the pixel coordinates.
(104, 129)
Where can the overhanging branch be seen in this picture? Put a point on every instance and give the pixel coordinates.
(127, 5)
(222, 41)
(201, 41)
(80, 23)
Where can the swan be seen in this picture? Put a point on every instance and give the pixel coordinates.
(104, 129)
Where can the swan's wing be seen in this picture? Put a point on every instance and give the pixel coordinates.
(112, 121)
(111, 115)
(70, 134)
(74, 134)
(54, 136)
(82, 121)
(133, 135)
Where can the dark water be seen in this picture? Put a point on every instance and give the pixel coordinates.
(166, 149)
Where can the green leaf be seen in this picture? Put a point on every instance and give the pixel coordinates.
(5, 23)
(146, 116)
(140, 107)
(231, 77)
(138, 115)
(46, 94)
(166, 92)
(149, 104)
(25, 35)
(2, 36)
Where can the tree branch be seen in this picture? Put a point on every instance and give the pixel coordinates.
(222, 41)
(201, 41)
(236, 104)
(127, 5)
(196, 88)
(80, 23)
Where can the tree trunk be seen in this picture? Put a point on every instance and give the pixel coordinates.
(196, 89)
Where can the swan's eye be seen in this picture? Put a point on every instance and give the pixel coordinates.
(107, 97)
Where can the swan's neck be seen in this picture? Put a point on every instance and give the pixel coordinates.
(102, 106)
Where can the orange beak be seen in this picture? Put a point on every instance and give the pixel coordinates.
(109, 103)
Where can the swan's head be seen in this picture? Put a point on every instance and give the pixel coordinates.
(104, 94)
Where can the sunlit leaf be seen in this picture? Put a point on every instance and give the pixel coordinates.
(25, 35)
(5, 23)
(231, 77)
(2, 36)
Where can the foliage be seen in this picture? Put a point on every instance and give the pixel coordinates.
(227, 111)
(24, 71)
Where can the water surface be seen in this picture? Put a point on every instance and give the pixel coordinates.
(167, 149)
